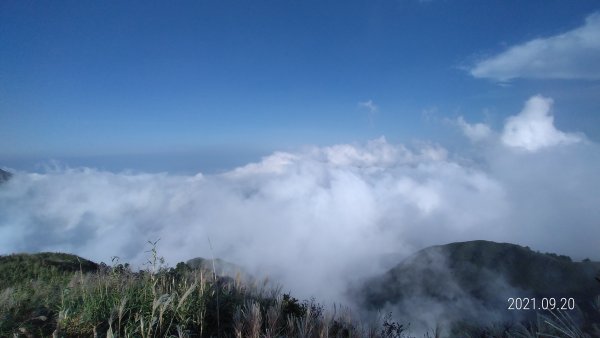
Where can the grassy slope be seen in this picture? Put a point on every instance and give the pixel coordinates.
(31, 286)
(44, 266)
(63, 294)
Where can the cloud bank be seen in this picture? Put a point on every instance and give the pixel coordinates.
(571, 55)
(320, 218)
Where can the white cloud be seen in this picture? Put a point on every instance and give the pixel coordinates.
(475, 132)
(533, 128)
(571, 55)
(324, 216)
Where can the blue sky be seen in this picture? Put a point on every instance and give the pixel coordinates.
(208, 85)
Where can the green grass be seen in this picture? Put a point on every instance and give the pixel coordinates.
(43, 267)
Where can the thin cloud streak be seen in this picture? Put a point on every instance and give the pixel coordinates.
(572, 55)
(371, 108)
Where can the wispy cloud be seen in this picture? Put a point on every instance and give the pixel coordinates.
(572, 55)
(371, 108)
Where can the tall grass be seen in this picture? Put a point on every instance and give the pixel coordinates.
(113, 301)
(184, 303)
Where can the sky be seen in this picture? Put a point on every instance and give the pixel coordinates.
(149, 85)
(330, 138)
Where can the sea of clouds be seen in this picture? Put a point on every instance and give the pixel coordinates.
(320, 218)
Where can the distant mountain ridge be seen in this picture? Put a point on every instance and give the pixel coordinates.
(467, 280)
(4, 175)
(221, 267)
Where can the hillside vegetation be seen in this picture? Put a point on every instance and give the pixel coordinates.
(62, 295)
(472, 281)
(42, 267)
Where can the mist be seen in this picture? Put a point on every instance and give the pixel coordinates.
(320, 218)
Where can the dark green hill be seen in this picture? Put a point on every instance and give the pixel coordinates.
(16, 268)
(473, 280)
